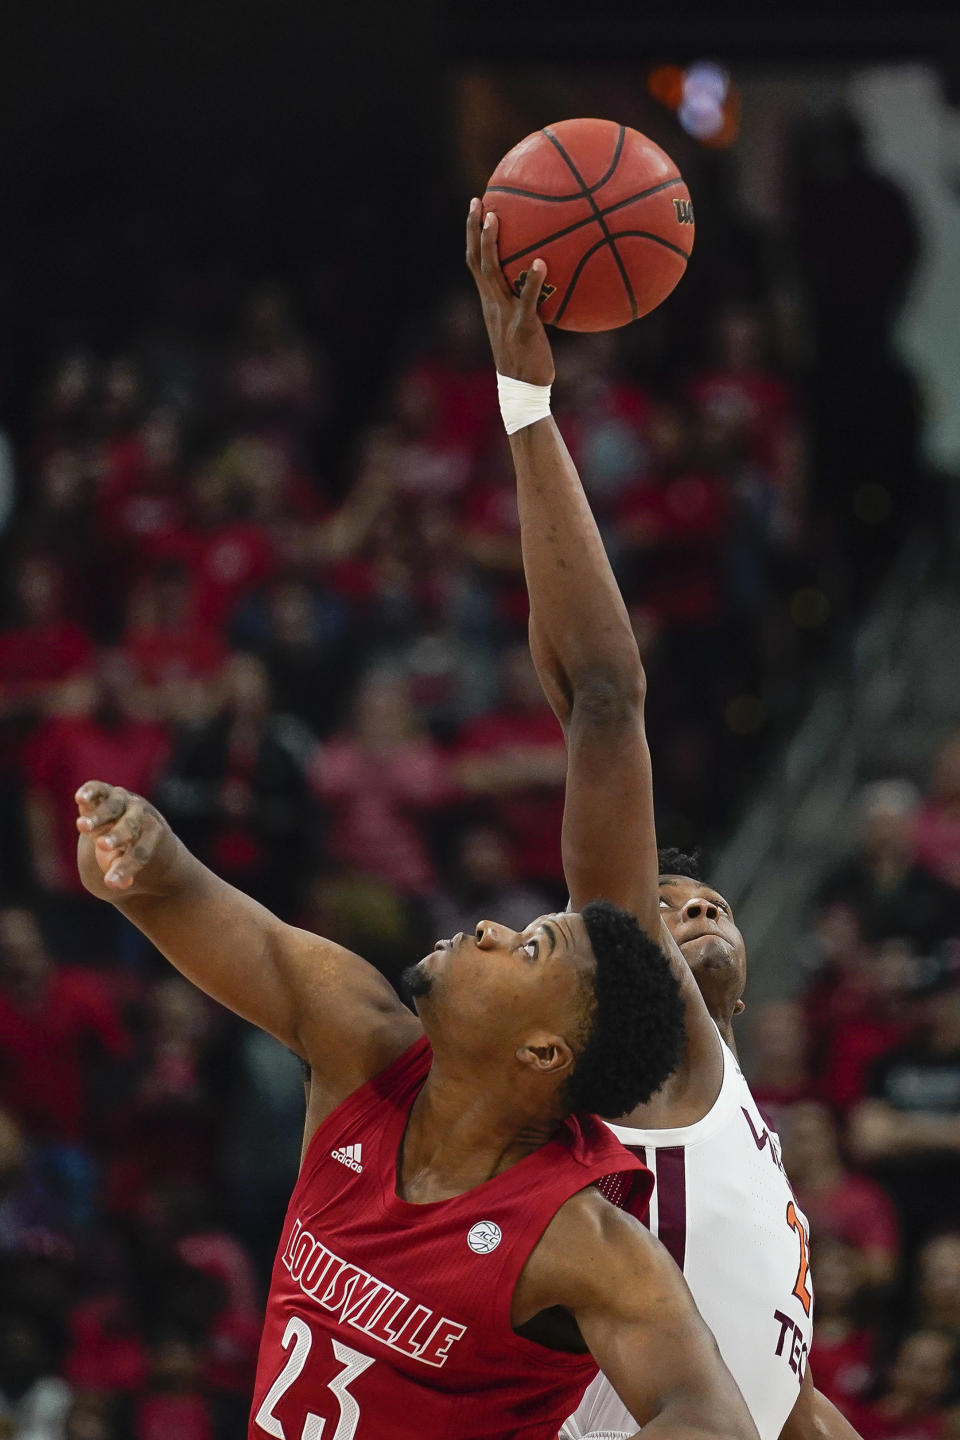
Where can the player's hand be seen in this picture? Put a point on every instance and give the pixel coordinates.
(517, 337)
(125, 831)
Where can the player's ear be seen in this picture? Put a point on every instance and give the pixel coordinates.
(739, 1008)
(545, 1053)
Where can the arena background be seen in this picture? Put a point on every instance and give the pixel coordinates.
(260, 560)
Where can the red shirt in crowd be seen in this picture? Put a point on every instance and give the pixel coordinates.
(844, 1368)
(44, 1051)
(106, 1353)
(161, 1416)
(465, 403)
(937, 840)
(857, 1210)
(67, 750)
(532, 815)
(873, 1424)
(378, 801)
(227, 563)
(32, 660)
(758, 402)
(678, 525)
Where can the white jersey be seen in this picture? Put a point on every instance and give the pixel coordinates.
(723, 1207)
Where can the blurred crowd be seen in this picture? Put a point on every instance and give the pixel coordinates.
(312, 657)
(862, 1074)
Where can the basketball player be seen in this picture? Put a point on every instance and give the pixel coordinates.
(447, 1266)
(722, 1204)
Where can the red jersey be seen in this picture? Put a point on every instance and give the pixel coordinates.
(391, 1321)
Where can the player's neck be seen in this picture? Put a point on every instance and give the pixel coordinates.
(461, 1133)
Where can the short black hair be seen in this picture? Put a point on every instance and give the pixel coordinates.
(678, 862)
(635, 1034)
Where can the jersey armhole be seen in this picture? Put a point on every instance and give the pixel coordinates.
(396, 1080)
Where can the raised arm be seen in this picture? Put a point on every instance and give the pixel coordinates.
(584, 649)
(637, 1317)
(322, 1001)
(582, 642)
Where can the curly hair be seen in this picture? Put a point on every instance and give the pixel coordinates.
(678, 862)
(634, 1033)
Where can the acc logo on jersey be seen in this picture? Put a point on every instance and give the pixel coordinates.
(484, 1237)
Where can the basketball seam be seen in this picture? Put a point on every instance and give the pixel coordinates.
(649, 235)
(598, 216)
(578, 224)
(561, 199)
(587, 254)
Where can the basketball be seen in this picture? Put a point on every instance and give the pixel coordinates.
(608, 212)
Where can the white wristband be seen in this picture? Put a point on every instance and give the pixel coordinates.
(521, 404)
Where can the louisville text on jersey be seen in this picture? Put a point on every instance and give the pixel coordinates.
(370, 1305)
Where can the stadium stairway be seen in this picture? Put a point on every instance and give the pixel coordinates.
(882, 715)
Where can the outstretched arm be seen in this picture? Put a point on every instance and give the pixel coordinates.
(317, 998)
(583, 647)
(582, 642)
(637, 1317)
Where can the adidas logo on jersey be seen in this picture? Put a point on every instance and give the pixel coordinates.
(349, 1155)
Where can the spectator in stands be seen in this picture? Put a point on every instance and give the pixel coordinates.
(779, 1074)
(45, 643)
(892, 894)
(432, 460)
(140, 499)
(751, 412)
(30, 1205)
(99, 727)
(514, 758)
(43, 646)
(483, 881)
(234, 788)
(672, 528)
(938, 1290)
(938, 823)
(91, 1417)
(273, 381)
(260, 1138)
(605, 419)
(171, 654)
(382, 780)
(34, 1401)
(843, 1357)
(856, 1007)
(164, 1126)
(220, 543)
(908, 1129)
(60, 1036)
(455, 373)
(173, 1402)
(307, 637)
(836, 1201)
(920, 1380)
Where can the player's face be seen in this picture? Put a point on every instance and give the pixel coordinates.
(507, 979)
(702, 924)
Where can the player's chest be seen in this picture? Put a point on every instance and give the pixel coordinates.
(416, 1280)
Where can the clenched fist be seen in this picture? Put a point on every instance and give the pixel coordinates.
(125, 830)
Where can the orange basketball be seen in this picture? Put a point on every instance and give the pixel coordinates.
(605, 208)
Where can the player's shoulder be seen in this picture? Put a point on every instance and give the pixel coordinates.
(584, 1248)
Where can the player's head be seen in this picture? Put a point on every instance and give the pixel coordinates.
(701, 922)
(575, 1012)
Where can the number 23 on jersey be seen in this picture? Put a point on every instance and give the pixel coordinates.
(299, 1335)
